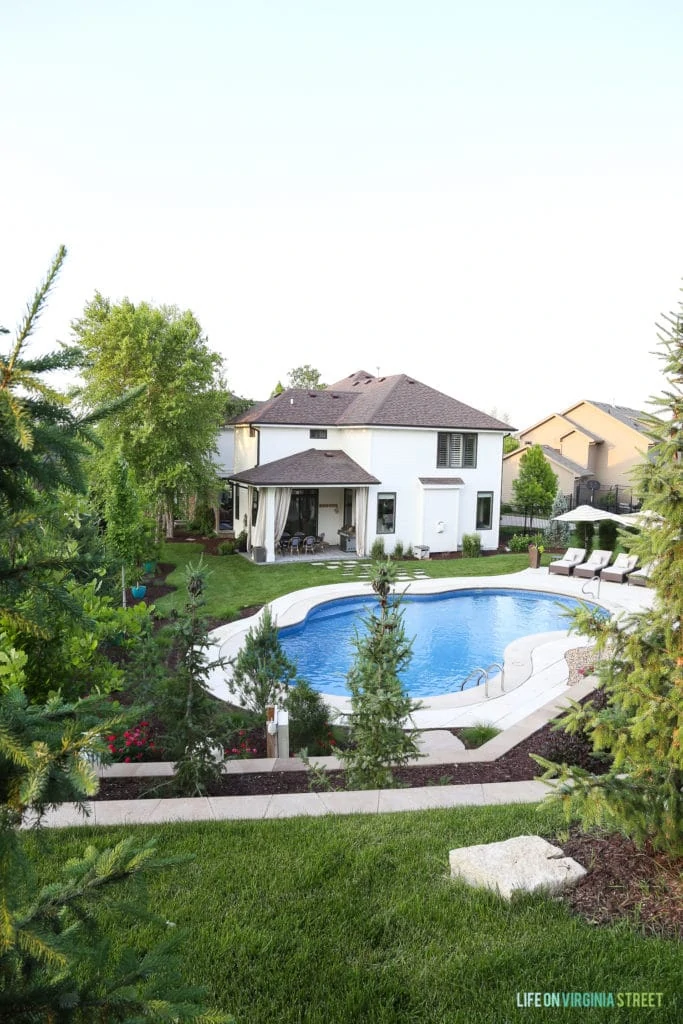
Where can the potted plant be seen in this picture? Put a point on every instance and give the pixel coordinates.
(535, 552)
(138, 588)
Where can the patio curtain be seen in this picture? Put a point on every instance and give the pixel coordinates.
(258, 536)
(361, 520)
(283, 496)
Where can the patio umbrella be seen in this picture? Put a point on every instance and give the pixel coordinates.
(588, 514)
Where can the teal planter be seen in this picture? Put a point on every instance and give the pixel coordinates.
(138, 592)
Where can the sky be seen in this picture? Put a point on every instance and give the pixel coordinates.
(486, 196)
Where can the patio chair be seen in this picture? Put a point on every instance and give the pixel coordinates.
(309, 545)
(283, 543)
(641, 577)
(295, 545)
(319, 542)
(570, 559)
(623, 565)
(597, 561)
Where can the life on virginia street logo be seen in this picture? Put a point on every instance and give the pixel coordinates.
(588, 1000)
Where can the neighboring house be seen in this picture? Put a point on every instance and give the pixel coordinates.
(371, 457)
(591, 446)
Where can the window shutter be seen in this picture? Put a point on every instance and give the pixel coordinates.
(470, 452)
(442, 450)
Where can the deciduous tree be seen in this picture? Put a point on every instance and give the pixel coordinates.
(536, 485)
(168, 433)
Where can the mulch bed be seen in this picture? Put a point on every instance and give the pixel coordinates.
(624, 882)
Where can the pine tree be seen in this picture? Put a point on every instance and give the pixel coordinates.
(641, 665)
(56, 962)
(196, 722)
(262, 673)
(380, 705)
(536, 485)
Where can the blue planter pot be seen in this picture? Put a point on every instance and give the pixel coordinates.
(138, 592)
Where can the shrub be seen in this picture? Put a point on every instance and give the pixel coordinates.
(377, 549)
(478, 734)
(242, 541)
(557, 533)
(261, 671)
(585, 533)
(408, 553)
(471, 545)
(134, 744)
(519, 542)
(607, 534)
(308, 717)
(227, 547)
(204, 521)
(397, 553)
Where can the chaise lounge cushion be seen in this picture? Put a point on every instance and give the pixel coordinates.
(598, 560)
(623, 565)
(571, 558)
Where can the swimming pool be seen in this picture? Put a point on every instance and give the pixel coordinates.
(453, 633)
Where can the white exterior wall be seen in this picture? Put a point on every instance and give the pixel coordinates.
(397, 457)
(225, 445)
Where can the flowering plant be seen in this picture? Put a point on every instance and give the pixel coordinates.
(136, 744)
(240, 746)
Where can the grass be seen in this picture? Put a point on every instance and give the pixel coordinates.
(353, 919)
(236, 583)
(478, 734)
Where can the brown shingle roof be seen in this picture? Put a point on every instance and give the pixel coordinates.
(363, 400)
(315, 467)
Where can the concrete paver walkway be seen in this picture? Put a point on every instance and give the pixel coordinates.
(291, 805)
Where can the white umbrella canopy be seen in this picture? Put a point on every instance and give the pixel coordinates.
(588, 514)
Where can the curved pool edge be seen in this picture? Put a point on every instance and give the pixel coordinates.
(538, 659)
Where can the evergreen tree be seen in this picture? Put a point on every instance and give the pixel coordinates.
(56, 963)
(261, 672)
(641, 655)
(557, 533)
(195, 722)
(380, 705)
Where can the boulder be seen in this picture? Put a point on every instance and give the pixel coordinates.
(525, 863)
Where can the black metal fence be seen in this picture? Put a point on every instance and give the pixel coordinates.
(613, 499)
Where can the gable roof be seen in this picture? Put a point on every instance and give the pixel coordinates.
(572, 425)
(364, 400)
(314, 466)
(631, 417)
(552, 455)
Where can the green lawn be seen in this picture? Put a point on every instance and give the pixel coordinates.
(354, 921)
(237, 583)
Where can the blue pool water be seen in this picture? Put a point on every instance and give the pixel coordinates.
(453, 633)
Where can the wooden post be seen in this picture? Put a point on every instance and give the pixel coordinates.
(271, 732)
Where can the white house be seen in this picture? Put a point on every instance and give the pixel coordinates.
(371, 457)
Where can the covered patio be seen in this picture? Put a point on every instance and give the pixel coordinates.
(318, 491)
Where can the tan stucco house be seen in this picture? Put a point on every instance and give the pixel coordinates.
(592, 447)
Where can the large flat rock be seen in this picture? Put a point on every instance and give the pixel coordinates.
(521, 864)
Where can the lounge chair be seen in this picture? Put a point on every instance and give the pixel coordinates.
(570, 559)
(623, 565)
(641, 577)
(597, 561)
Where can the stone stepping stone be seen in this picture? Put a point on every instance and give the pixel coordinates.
(521, 864)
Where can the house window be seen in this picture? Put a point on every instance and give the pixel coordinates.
(254, 506)
(484, 510)
(319, 434)
(386, 513)
(236, 501)
(303, 513)
(348, 506)
(455, 451)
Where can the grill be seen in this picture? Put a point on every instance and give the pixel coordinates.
(347, 538)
